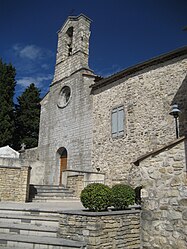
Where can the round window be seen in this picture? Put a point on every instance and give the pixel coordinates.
(64, 96)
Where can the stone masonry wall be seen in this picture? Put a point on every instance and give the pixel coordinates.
(14, 183)
(76, 183)
(147, 97)
(103, 230)
(69, 127)
(164, 208)
(65, 64)
(30, 154)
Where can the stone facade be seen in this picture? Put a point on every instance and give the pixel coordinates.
(14, 183)
(146, 92)
(66, 111)
(103, 230)
(162, 174)
(79, 180)
(31, 157)
(76, 182)
(80, 124)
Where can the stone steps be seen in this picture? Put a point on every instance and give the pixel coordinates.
(63, 190)
(56, 194)
(50, 193)
(53, 199)
(34, 242)
(29, 219)
(31, 228)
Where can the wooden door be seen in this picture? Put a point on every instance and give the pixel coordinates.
(63, 166)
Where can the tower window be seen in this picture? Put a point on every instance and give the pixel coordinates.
(117, 121)
(69, 33)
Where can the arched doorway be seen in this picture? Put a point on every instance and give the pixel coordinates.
(63, 162)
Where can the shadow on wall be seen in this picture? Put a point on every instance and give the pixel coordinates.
(180, 99)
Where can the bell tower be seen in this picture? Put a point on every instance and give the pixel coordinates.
(73, 47)
(66, 111)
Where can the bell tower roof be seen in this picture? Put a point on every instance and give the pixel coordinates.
(74, 18)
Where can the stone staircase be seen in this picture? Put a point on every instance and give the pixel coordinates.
(50, 193)
(32, 228)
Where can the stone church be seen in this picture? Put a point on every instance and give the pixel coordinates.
(112, 130)
(88, 122)
(97, 128)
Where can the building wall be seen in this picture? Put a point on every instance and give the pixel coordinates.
(14, 183)
(69, 126)
(146, 97)
(28, 157)
(164, 196)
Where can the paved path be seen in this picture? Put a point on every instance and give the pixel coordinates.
(44, 206)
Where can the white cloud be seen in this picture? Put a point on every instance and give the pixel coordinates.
(31, 52)
(38, 80)
(33, 65)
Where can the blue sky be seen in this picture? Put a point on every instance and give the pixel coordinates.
(123, 33)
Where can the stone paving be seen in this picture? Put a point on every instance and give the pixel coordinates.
(47, 206)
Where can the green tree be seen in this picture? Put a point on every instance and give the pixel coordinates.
(27, 118)
(7, 88)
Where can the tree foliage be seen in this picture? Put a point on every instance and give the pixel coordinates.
(27, 117)
(7, 88)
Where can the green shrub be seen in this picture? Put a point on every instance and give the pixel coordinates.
(96, 197)
(122, 196)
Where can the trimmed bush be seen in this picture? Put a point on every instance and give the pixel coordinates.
(96, 197)
(122, 196)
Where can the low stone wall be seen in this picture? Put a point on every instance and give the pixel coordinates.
(162, 174)
(76, 182)
(30, 154)
(102, 230)
(38, 167)
(14, 183)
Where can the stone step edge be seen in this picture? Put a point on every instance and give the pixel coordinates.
(54, 194)
(41, 240)
(50, 187)
(57, 197)
(55, 191)
(29, 217)
(30, 227)
(33, 211)
(46, 200)
(10, 247)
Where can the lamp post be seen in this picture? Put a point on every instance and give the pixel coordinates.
(175, 113)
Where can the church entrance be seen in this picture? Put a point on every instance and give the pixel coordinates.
(63, 162)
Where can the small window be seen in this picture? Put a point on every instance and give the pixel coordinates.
(118, 121)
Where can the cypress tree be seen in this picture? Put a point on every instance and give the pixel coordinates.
(28, 117)
(7, 88)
